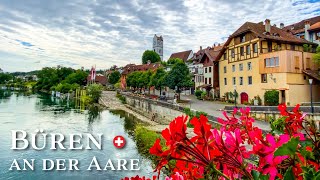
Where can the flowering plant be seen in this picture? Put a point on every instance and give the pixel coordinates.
(239, 150)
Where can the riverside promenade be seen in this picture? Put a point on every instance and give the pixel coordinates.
(110, 100)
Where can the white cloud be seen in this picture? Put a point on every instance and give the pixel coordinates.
(103, 33)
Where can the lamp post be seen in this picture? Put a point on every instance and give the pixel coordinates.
(235, 96)
(310, 82)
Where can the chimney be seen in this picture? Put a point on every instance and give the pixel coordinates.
(267, 25)
(306, 30)
(281, 25)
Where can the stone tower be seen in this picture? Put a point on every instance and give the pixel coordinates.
(158, 45)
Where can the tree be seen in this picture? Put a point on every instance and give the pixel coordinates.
(158, 79)
(94, 91)
(4, 77)
(316, 56)
(114, 77)
(178, 77)
(150, 55)
(133, 79)
(78, 77)
(173, 61)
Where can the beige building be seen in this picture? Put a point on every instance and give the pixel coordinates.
(260, 57)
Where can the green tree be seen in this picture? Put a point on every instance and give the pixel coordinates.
(178, 77)
(133, 79)
(158, 79)
(316, 56)
(150, 55)
(114, 77)
(78, 77)
(173, 61)
(94, 91)
(4, 77)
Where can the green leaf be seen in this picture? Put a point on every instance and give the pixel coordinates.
(255, 174)
(288, 148)
(289, 174)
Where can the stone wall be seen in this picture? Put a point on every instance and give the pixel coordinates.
(159, 111)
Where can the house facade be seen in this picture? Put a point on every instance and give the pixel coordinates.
(259, 57)
(308, 29)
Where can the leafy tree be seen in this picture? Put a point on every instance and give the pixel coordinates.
(78, 77)
(158, 79)
(145, 78)
(316, 56)
(4, 77)
(94, 91)
(114, 77)
(173, 61)
(150, 55)
(178, 77)
(133, 79)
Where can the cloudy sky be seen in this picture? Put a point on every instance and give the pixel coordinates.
(76, 33)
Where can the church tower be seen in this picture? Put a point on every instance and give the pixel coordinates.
(158, 45)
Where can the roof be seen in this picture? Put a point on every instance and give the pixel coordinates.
(99, 79)
(142, 67)
(299, 26)
(315, 26)
(213, 54)
(275, 34)
(181, 55)
(314, 74)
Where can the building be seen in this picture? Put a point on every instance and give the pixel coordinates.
(158, 45)
(133, 68)
(196, 68)
(99, 79)
(184, 55)
(308, 29)
(210, 63)
(259, 57)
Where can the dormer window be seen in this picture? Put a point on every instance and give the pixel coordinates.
(242, 38)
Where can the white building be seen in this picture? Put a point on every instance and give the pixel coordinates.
(158, 45)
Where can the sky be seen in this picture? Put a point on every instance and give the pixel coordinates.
(83, 33)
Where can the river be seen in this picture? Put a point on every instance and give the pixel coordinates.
(28, 112)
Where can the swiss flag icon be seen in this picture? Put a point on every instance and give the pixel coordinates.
(119, 142)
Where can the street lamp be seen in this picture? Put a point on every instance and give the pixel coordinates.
(235, 96)
(310, 82)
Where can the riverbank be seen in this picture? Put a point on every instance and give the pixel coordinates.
(111, 102)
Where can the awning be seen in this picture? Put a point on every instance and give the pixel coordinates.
(205, 86)
(313, 74)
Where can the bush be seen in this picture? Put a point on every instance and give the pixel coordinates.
(95, 91)
(271, 98)
(192, 114)
(203, 95)
(198, 93)
(121, 98)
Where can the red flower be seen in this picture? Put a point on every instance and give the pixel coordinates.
(176, 131)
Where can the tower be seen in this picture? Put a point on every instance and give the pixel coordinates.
(158, 45)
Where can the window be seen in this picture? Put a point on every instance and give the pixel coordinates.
(241, 51)
(249, 66)
(241, 80)
(269, 46)
(307, 63)
(248, 50)
(271, 62)
(242, 38)
(276, 59)
(297, 63)
(249, 80)
(205, 80)
(205, 70)
(263, 78)
(255, 48)
(292, 47)
(209, 69)
(234, 80)
(232, 53)
(225, 81)
(225, 56)
(233, 68)
(209, 80)
(225, 69)
(241, 67)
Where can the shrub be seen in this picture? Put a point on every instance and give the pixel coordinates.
(95, 91)
(203, 95)
(121, 98)
(198, 93)
(271, 98)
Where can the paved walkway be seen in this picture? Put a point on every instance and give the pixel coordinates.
(214, 108)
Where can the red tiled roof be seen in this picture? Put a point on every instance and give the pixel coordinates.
(315, 26)
(142, 67)
(99, 79)
(275, 34)
(299, 26)
(181, 55)
(213, 54)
